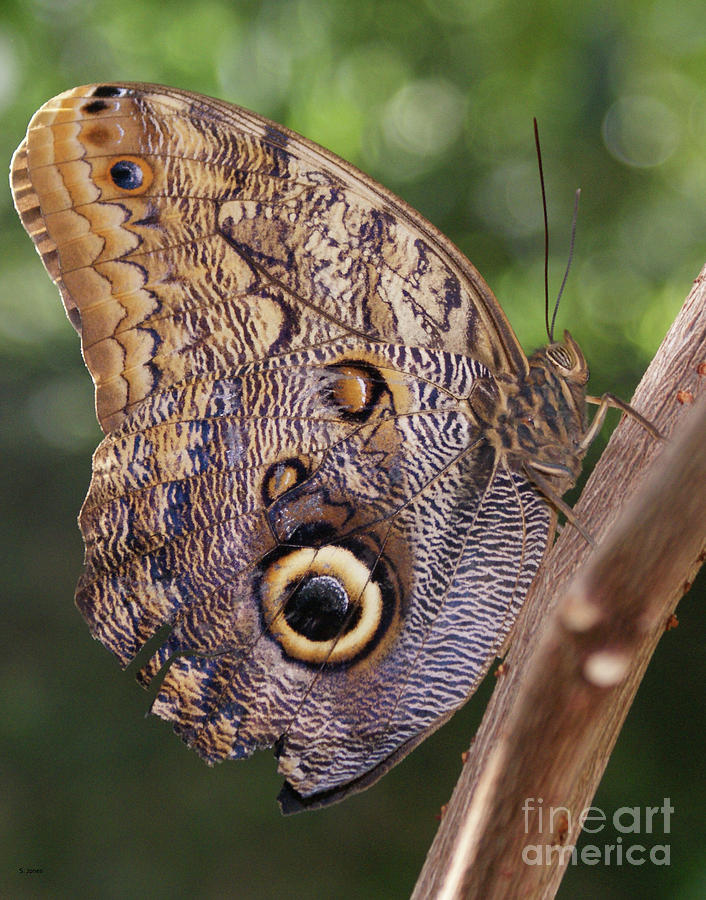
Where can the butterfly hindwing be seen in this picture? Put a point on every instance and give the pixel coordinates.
(402, 503)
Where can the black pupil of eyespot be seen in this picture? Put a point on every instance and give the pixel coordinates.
(318, 608)
(126, 174)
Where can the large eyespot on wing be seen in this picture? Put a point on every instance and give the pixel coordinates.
(339, 723)
(459, 618)
(344, 601)
(333, 606)
(214, 472)
(188, 236)
(259, 516)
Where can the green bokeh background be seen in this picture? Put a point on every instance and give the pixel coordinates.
(435, 99)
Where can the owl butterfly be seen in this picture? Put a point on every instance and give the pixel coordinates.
(328, 466)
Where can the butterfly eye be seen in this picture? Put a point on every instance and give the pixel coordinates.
(561, 357)
(568, 360)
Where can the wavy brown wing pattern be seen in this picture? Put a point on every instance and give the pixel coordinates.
(317, 422)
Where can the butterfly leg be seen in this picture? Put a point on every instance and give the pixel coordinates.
(532, 470)
(604, 403)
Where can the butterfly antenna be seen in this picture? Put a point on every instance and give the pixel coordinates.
(546, 235)
(571, 256)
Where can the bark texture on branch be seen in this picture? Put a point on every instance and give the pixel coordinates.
(583, 641)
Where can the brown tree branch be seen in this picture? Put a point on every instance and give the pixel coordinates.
(584, 639)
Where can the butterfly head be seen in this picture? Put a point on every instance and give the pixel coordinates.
(567, 360)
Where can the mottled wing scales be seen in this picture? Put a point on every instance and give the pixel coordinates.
(413, 490)
(142, 520)
(462, 607)
(296, 478)
(213, 244)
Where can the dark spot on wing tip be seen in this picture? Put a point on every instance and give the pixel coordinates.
(108, 90)
(95, 106)
(275, 136)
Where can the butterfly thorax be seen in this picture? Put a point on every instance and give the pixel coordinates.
(537, 420)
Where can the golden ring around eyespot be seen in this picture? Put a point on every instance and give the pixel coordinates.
(283, 577)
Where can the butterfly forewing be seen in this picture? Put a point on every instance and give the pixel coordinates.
(310, 470)
(186, 234)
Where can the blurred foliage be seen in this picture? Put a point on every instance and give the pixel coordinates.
(436, 100)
